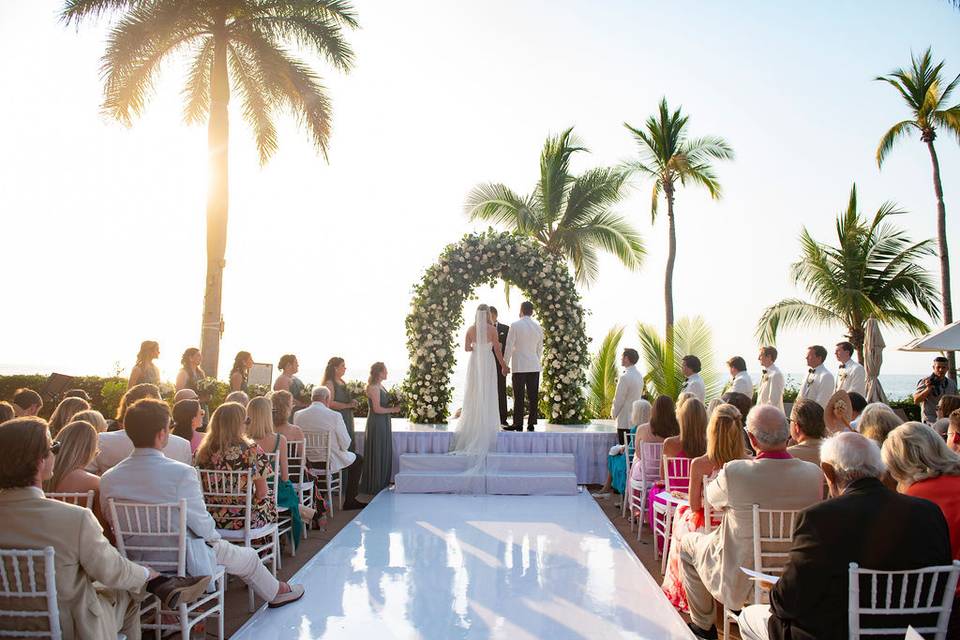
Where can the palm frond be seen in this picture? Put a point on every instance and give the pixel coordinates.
(496, 203)
(792, 312)
(197, 88)
(691, 336)
(890, 138)
(76, 10)
(603, 376)
(309, 25)
(256, 105)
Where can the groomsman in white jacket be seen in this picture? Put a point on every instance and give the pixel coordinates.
(850, 376)
(690, 367)
(524, 352)
(772, 381)
(740, 381)
(629, 390)
(818, 385)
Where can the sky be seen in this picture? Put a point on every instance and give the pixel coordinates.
(105, 228)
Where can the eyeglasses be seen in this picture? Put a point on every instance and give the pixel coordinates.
(55, 447)
(246, 420)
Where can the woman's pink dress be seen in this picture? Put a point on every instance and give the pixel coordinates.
(685, 520)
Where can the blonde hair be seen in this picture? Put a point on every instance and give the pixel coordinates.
(259, 415)
(64, 413)
(94, 417)
(282, 404)
(376, 370)
(877, 421)
(683, 397)
(725, 435)
(914, 452)
(692, 417)
(640, 412)
(78, 447)
(225, 429)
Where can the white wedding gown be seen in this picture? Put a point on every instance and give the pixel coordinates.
(480, 417)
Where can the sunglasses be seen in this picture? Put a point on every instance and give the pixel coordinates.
(55, 447)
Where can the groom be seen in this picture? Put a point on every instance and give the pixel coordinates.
(502, 331)
(523, 352)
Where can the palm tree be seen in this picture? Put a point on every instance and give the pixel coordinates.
(926, 94)
(569, 215)
(669, 157)
(244, 43)
(604, 373)
(664, 377)
(874, 271)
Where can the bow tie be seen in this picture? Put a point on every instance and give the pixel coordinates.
(763, 371)
(813, 370)
(843, 366)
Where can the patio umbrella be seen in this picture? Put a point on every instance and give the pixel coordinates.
(943, 339)
(873, 345)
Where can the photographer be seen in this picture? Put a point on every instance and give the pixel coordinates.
(932, 388)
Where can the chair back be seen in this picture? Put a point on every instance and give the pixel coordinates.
(151, 534)
(629, 447)
(318, 444)
(28, 579)
(231, 491)
(711, 518)
(925, 592)
(272, 482)
(676, 474)
(772, 537)
(650, 457)
(295, 460)
(81, 499)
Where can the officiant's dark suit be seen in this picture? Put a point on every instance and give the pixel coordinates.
(502, 331)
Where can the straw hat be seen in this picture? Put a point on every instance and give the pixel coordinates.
(838, 414)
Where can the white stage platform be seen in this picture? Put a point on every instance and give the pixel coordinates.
(518, 474)
(589, 444)
(463, 567)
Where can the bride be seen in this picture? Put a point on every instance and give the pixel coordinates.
(480, 418)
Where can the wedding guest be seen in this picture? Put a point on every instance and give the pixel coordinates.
(7, 412)
(740, 381)
(878, 420)
(945, 406)
(724, 443)
(226, 447)
(27, 402)
(838, 413)
(690, 443)
(818, 385)
(98, 590)
(932, 388)
(288, 381)
(241, 369)
(662, 422)
(240, 397)
(149, 477)
(851, 377)
(857, 403)
(616, 461)
(857, 525)
(185, 394)
(260, 430)
(683, 397)
(282, 403)
(953, 432)
(138, 392)
(187, 419)
(378, 442)
(94, 417)
(78, 393)
(78, 449)
(772, 381)
(145, 371)
(190, 372)
(742, 402)
(807, 430)
(341, 398)
(629, 390)
(64, 413)
(690, 367)
(319, 418)
(712, 406)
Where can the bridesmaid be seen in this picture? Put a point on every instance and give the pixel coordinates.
(342, 402)
(145, 370)
(190, 372)
(288, 381)
(378, 445)
(240, 371)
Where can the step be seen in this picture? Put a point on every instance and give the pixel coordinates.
(423, 482)
(438, 462)
(538, 462)
(520, 483)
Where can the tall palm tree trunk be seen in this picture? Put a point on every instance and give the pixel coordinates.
(944, 255)
(217, 139)
(668, 279)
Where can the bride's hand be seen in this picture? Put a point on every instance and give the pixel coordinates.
(506, 370)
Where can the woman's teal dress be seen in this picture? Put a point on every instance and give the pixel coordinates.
(617, 466)
(342, 394)
(377, 450)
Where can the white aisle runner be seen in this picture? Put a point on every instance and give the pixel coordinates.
(450, 567)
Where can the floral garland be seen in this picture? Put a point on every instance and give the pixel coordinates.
(435, 320)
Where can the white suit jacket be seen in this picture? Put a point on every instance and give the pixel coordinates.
(524, 346)
(696, 386)
(318, 418)
(149, 476)
(817, 386)
(629, 389)
(771, 387)
(743, 384)
(851, 377)
(117, 445)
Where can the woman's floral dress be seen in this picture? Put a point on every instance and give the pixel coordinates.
(239, 457)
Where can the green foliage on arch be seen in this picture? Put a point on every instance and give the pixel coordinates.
(435, 322)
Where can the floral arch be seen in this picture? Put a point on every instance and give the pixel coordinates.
(434, 322)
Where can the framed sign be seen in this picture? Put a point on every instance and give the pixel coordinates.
(260, 374)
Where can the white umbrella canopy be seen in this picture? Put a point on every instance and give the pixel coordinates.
(873, 345)
(943, 339)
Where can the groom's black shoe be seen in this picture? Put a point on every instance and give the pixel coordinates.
(528, 429)
(513, 428)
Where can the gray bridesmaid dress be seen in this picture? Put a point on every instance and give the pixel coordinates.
(377, 450)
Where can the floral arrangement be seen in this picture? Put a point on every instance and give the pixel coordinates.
(207, 386)
(434, 322)
(257, 390)
(306, 394)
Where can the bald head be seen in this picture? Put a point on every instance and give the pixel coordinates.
(767, 427)
(184, 394)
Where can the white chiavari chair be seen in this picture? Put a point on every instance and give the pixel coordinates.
(28, 594)
(650, 473)
(81, 498)
(318, 446)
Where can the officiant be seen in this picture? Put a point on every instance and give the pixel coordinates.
(502, 330)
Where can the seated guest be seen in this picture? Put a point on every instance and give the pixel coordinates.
(148, 476)
(877, 420)
(711, 562)
(616, 462)
(953, 432)
(226, 447)
(864, 523)
(740, 381)
(807, 431)
(63, 414)
(838, 413)
(945, 406)
(743, 405)
(661, 425)
(185, 394)
(319, 418)
(78, 393)
(78, 448)
(117, 445)
(94, 417)
(240, 397)
(7, 412)
(724, 443)
(857, 403)
(690, 368)
(98, 590)
(683, 397)
(27, 402)
(187, 420)
(282, 407)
